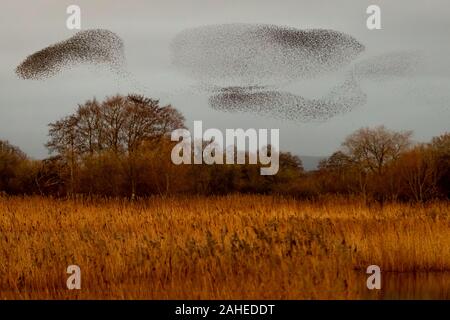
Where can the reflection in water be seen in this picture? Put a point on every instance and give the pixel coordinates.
(410, 285)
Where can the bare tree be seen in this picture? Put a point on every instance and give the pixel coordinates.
(418, 168)
(372, 149)
(10, 159)
(337, 162)
(441, 148)
(66, 141)
(119, 125)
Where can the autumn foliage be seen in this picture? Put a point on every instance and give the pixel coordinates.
(121, 148)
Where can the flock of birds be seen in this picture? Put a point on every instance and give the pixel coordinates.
(243, 67)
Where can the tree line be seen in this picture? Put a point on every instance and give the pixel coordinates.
(121, 147)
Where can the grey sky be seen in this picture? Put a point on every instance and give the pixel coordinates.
(420, 103)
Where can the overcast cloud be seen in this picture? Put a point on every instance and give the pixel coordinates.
(420, 102)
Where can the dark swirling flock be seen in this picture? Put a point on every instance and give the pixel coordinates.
(243, 66)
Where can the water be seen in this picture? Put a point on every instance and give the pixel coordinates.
(413, 285)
